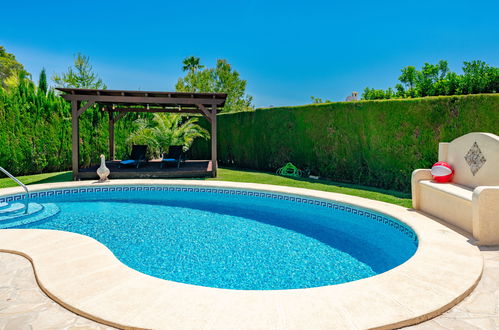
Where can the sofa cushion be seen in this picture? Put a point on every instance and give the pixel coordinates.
(454, 189)
(448, 201)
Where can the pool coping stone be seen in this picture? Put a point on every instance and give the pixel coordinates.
(85, 277)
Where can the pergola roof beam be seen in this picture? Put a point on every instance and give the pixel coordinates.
(144, 100)
(171, 110)
(187, 101)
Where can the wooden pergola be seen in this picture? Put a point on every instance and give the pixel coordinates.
(118, 102)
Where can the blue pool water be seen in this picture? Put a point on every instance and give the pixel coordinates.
(226, 238)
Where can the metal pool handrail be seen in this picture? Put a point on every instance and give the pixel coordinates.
(26, 200)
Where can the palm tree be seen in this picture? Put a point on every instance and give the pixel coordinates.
(191, 63)
(164, 130)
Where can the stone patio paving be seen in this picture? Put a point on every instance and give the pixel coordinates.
(480, 310)
(24, 306)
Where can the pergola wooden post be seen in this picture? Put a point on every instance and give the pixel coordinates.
(118, 102)
(214, 154)
(74, 138)
(111, 135)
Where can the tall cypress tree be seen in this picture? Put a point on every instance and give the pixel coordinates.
(42, 81)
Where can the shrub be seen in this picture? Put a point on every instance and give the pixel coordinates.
(377, 143)
(35, 131)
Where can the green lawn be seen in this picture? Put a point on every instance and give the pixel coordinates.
(225, 174)
(37, 178)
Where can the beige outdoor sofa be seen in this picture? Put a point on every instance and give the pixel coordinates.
(471, 200)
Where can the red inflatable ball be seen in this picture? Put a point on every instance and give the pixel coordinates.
(442, 172)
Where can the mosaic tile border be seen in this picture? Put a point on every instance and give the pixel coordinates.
(403, 228)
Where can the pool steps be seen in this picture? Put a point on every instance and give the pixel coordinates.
(11, 209)
(15, 214)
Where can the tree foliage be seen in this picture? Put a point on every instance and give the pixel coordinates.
(164, 130)
(192, 63)
(80, 75)
(408, 78)
(35, 129)
(437, 79)
(377, 94)
(35, 134)
(42, 82)
(319, 100)
(220, 79)
(10, 69)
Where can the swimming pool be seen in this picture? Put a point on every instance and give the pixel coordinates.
(229, 238)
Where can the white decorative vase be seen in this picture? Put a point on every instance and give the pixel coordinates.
(103, 171)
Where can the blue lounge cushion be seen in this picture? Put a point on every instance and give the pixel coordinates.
(169, 160)
(128, 162)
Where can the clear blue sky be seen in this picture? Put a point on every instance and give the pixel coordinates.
(286, 50)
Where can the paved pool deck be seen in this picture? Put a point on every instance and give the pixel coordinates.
(24, 306)
(84, 276)
(478, 311)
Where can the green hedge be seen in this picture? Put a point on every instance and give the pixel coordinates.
(35, 132)
(376, 143)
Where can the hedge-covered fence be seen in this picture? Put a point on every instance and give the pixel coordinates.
(35, 132)
(376, 143)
